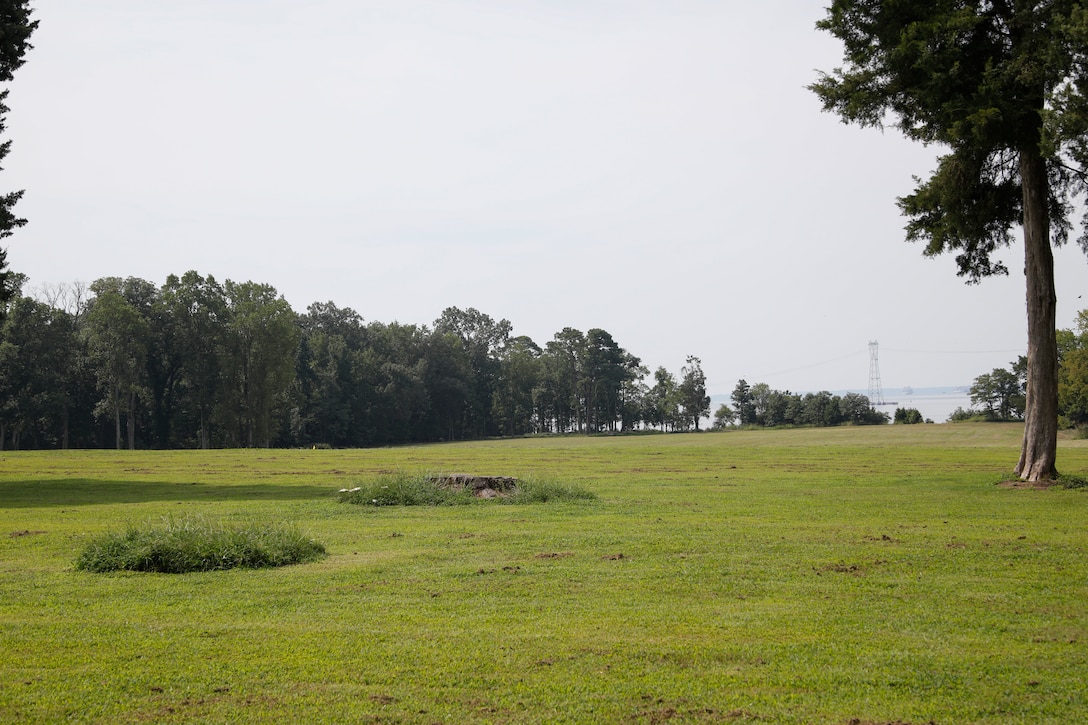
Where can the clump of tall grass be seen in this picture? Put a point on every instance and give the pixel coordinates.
(1069, 480)
(405, 489)
(196, 543)
(542, 490)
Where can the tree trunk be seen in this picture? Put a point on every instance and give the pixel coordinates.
(131, 422)
(1039, 450)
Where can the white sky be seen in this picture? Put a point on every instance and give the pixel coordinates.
(655, 168)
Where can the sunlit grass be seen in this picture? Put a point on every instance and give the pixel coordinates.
(878, 575)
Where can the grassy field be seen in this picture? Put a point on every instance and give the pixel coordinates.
(852, 575)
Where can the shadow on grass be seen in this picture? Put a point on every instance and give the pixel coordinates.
(88, 492)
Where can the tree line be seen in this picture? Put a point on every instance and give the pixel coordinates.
(1000, 395)
(195, 363)
(762, 406)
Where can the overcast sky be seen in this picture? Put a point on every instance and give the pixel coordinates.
(655, 168)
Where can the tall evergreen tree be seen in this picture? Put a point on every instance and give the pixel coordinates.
(16, 28)
(1003, 86)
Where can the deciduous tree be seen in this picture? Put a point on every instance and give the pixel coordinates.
(117, 343)
(1000, 392)
(723, 417)
(1073, 373)
(262, 336)
(693, 397)
(742, 403)
(198, 308)
(483, 339)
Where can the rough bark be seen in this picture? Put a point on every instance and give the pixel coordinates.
(131, 420)
(117, 421)
(1039, 450)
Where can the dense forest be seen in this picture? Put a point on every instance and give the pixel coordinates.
(194, 363)
(198, 364)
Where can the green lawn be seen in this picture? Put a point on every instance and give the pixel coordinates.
(869, 575)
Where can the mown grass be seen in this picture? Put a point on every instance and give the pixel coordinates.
(877, 575)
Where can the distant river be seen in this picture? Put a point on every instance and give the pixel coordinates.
(934, 404)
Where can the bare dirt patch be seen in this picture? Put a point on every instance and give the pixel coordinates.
(851, 569)
(856, 721)
(1028, 485)
(24, 532)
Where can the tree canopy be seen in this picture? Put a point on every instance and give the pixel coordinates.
(16, 28)
(1003, 86)
(195, 364)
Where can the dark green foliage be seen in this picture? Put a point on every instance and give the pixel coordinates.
(694, 401)
(197, 544)
(742, 402)
(662, 402)
(959, 415)
(1073, 374)
(38, 349)
(724, 417)
(1066, 480)
(197, 364)
(16, 27)
(765, 407)
(975, 77)
(908, 416)
(1001, 392)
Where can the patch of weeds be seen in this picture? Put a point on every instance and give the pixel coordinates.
(24, 532)
(536, 490)
(402, 489)
(196, 543)
(1068, 480)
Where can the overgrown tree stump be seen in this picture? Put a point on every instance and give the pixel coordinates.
(480, 486)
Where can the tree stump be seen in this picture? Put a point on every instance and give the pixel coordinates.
(480, 486)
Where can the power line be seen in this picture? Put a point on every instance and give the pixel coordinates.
(810, 365)
(954, 352)
(857, 353)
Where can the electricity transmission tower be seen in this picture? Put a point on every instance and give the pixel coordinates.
(876, 390)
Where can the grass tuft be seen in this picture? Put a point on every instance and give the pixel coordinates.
(1067, 480)
(537, 490)
(404, 489)
(195, 543)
